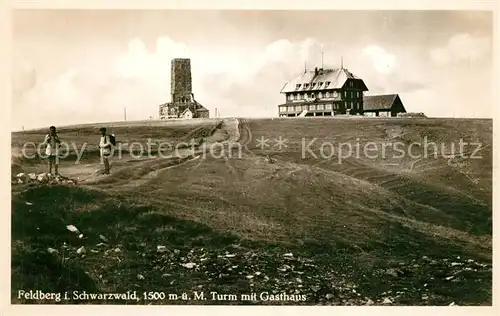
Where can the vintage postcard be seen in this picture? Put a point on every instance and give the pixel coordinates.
(263, 157)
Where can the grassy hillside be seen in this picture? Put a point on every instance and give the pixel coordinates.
(363, 230)
(130, 137)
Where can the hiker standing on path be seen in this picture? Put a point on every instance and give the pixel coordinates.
(105, 149)
(52, 141)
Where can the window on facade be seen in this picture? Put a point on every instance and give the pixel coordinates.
(352, 105)
(328, 106)
(312, 95)
(352, 95)
(312, 107)
(347, 105)
(306, 95)
(345, 94)
(321, 107)
(295, 96)
(327, 94)
(335, 94)
(320, 95)
(357, 94)
(302, 96)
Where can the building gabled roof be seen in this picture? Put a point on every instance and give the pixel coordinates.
(200, 108)
(320, 79)
(379, 102)
(185, 111)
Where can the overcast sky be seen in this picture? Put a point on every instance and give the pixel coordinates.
(86, 66)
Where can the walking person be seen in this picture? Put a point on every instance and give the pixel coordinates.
(105, 149)
(52, 141)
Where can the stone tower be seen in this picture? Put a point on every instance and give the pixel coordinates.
(183, 103)
(181, 84)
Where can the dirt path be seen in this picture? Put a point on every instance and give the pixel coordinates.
(226, 135)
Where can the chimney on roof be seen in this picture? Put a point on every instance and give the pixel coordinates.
(316, 71)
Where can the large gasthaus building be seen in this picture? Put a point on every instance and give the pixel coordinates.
(329, 92)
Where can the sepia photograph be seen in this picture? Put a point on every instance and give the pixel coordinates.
(252, 157)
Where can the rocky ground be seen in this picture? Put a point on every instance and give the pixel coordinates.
(124, 259)
(41, 178)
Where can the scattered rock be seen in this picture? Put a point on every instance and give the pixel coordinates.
(20, 175)
(452, 304)
(161, 249)
(189, 265)
(52, 250)
(80, 250)
(29, 203)
(449, 278)
(230, 255)
(369, 302)
(387, 301)
(72, 229)
(101, 237)
(329, 296)
(140, 277)
(80, 236)
(117, 250)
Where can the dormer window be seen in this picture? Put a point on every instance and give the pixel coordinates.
(297, 86)
(306, 85)
(313, 84)
(327, 83)
(320, 84)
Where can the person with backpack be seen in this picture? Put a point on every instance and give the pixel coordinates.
(52, 141)
(105, 146)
